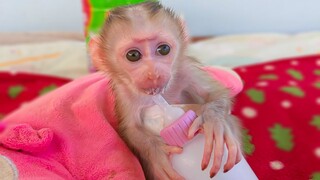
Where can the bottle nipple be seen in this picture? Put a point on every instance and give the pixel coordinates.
(170, 113)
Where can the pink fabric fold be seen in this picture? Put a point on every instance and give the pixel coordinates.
(84, 143)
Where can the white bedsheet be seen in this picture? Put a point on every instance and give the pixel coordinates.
(237, 50)
(69, 58)
(61, 58)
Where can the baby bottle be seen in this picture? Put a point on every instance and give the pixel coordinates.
(173, 124)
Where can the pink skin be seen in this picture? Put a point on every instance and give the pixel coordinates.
(152, 72)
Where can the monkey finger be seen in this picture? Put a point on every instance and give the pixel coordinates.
(159, 169)
(172, 174)
(173, 149)
(169, 171)
(232, 153)
(195, 126)
(208, 146)
(239, 155)
(238, 146)
(160, 174)
(218, 153)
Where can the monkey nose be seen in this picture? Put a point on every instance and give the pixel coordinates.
(153, 76)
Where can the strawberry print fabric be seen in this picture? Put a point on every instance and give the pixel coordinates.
(280, 111)
(19, 89)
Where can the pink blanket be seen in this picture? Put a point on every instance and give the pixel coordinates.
(70, 133)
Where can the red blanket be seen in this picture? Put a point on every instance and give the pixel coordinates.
(19, 89)
(279, 107)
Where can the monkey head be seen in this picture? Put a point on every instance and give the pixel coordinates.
(140, 50)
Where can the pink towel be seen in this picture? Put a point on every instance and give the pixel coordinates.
(70, 134)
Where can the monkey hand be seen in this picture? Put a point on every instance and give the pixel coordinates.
(218, 129)
(159, 166)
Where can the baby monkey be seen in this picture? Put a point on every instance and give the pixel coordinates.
(142, 49)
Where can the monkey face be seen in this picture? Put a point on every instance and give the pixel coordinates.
(139, 51)
(147, 59)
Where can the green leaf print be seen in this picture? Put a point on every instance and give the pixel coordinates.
(315, 176)
(282, 137)
(317, 72)
(248, 147)
(316, 121)
(47, 89)
(256, 95)
(317, 85)
(268, 77)
(1, 116)
(15, 91)
(295, 91)
(295, 74)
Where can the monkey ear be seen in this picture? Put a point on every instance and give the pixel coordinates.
(94, 51)
(183, 25)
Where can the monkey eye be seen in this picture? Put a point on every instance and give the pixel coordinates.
(163, 49)
(133, 55)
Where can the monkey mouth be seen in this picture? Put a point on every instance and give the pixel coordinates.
(152, 91)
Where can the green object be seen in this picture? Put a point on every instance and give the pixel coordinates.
(316, 121)
(295, 91)
(317, 85)
(47, 89)
(15, 91)
(295, 74)
(248, 147)
(315, 176)
(317, 72)
(268, 77)
(255, 95)
(282, 136)
(99, 9)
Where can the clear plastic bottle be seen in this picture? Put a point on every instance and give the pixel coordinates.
(173, 125)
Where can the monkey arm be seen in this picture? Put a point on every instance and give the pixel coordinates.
(214, 120)
(151, 151)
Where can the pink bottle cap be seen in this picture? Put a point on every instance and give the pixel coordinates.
(176, 134)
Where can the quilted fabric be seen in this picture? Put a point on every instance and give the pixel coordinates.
(280, 110)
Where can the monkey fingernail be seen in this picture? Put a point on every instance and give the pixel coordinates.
(180, 150)
(212, 175)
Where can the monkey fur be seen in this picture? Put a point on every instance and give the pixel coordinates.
(143, 49)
